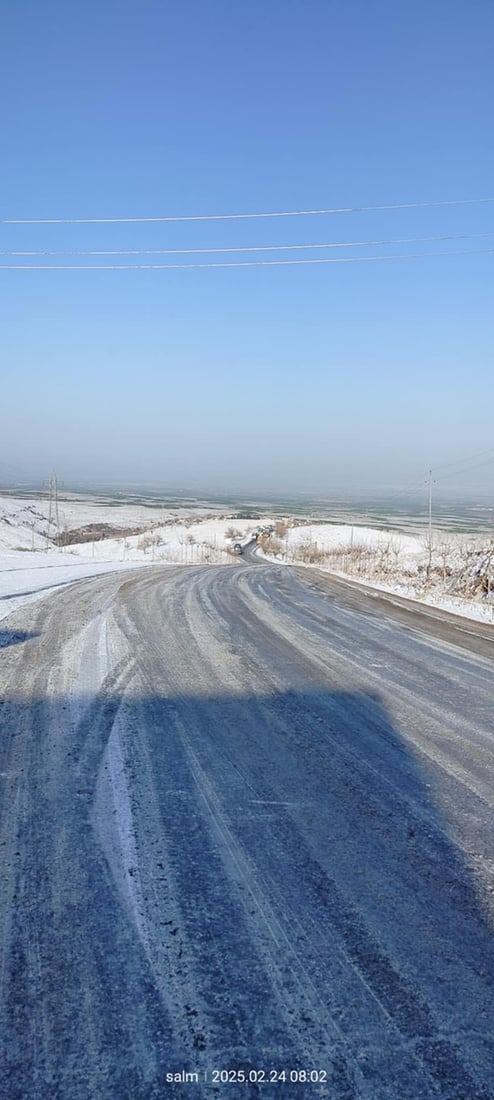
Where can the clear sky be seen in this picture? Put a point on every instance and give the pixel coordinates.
(312, 377)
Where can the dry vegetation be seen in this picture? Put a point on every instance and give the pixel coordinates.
(448, 565)
(92, 532)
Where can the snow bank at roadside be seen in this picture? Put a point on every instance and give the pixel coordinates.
(394, 562)
(27, 577)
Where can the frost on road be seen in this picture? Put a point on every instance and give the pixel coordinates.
(246, 824)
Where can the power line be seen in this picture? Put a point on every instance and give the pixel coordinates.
(245, 263)
(472, 458)
(237, 217)
(465, 469)
(243, 248)
(452, 469)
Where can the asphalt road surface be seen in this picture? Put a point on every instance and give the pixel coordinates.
(246, 842)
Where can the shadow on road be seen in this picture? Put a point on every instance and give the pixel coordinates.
(261, 885)
(8, 638)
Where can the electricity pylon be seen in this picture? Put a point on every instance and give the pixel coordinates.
(53, 514)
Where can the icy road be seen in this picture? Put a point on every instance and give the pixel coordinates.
(246, 842)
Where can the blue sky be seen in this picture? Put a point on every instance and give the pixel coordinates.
(316, 377)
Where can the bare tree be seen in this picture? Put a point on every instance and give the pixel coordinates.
(429, 549)
(395, 550)
(191, 542)
(444, 550)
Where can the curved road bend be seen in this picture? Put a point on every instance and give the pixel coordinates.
(246, 826)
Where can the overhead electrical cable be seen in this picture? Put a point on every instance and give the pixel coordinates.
(456, 472)
(242, 248)
(246, 263)
(451, 469)
(238, 217)
(440, 470)
(463, 469)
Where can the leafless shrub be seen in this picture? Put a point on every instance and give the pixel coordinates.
(272, 545)
(145, 542)
(309, 553)
(93, 532)
(429, 544)
(444, 552)
(395, 553)
(384, 559)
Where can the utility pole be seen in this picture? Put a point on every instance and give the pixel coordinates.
(53, 514)
(430, 502)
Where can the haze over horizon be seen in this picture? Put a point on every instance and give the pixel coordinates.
(459, 488)
(304, 377)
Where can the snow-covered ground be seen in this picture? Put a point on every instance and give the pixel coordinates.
(455, 572)
(451, 571)
(28, 576)
(31, 564)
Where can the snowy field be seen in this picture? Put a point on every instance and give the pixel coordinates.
(33, 564)
(40, 551)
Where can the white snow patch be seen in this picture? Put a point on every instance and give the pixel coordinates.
(27, 577)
